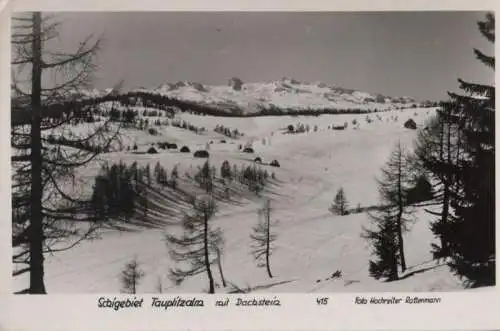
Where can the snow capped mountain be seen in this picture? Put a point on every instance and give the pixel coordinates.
(92, 93)
(287, 93)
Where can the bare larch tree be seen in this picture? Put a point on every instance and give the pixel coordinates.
(196, 247)
(48, 214)
(263, 238)
(392, 189)
(390, 220)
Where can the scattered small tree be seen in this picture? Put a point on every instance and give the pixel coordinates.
(147, 171)
(159, 285)
(219, 251)
(384, 242)
(204, 177)
(157, 168)
(129, 116)
(263, 238)
(235, 173)
(225, 170)
(130, 277)
(160, 174)
(174, 175)
(340, 203)
(197, 245)
(392, 190)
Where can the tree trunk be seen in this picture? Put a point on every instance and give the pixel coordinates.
(146, 206)
(134, 281)
(207, 257)
(446, 186)
(36, 234)
(268, 234)
(401, 245)
(400, 215)
(159, 285)
(268, 267)
(446, 194)
(394, 267)
(219, 263)
(444, 218)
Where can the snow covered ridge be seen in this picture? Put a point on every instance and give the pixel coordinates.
(285, 96)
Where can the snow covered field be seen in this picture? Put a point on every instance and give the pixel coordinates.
(311, 244)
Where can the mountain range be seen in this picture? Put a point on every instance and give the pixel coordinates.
(284, 94)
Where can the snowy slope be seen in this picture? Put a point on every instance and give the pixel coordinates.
(312, 243)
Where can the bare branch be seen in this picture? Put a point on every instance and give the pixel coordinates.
(20, 158)
(20, 271)
(82, 52)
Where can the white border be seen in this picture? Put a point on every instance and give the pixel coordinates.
(471, 310)
(459, 311)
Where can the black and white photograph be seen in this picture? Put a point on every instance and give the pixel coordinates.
(252, 152)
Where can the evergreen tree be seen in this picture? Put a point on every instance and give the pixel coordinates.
(225, 170)
(156, 170)
(147, 172)
(213, 172)
(197, 245)
(383, 239)
(174, 175)
(457, 149)
(129, 116)
(130, 277)
(114, 115)
(114, 193)
(235, 172)
(471, 231)
(263, 238)
(340, 203)
(204, 177)
(145, 190)
(162, 176)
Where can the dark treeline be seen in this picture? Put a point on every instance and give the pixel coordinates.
(153, 100)
(21, 110)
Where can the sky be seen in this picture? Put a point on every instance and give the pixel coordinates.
(417, 54)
